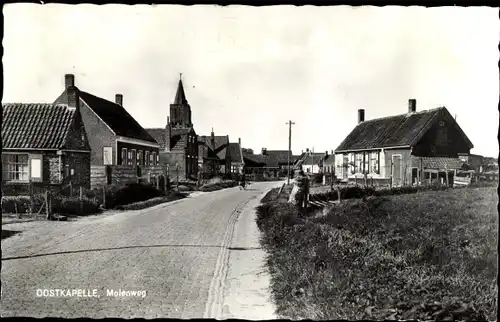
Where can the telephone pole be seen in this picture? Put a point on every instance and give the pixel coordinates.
(289, 123)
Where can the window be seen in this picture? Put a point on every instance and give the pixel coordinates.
(158, 159)
(133, 157)
(123, 160)
(140, 157)
(359, 163)
(129, 158)
(366, 162)
(107, 153)
(352, 164)
(374, 162)
(16, 167)
(152, 158)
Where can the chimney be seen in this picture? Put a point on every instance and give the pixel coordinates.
(212, 138)
(264, 150)
(72, 91)
(119, 99)
(326, 153)
(69, 80)
(239, 142)
(412, 105)
(307, 150)
(361, 115)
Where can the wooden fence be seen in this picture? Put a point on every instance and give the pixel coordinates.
(120, 174)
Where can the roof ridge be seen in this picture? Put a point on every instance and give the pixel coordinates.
(404, 114)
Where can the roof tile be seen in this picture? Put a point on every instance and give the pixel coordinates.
(36, 126)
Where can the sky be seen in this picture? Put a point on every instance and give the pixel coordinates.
(247, 71)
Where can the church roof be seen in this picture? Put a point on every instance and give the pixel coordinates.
(180, 96)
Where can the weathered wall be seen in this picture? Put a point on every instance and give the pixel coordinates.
(98, 135)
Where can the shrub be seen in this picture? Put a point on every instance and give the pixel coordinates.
(23, 204)
(13, 204)
(71, 206)
(217, 184)
(118, 195)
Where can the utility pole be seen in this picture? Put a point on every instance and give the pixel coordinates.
(290, 123)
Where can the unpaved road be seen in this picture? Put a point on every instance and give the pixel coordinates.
(196, 257)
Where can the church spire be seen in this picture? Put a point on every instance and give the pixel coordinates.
(180, 96)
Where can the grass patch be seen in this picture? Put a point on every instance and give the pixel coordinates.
(426, 255)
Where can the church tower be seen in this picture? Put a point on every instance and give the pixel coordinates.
(180, 111)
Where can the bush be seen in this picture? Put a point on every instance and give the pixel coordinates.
(16, 204)
(118, 195)
(71, 206)
(23, 204)
(217, 184)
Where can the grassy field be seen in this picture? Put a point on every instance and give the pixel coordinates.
(429, 255)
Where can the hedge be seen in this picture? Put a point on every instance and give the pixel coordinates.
(358, 192)
(60, 205)
(119, 195)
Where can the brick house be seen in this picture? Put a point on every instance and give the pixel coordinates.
(114, 136)
(43, 146)
(410, 148)
(178, 140)
(236, 153)
(214, 155)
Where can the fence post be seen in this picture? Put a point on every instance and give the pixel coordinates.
(81, 200)
(104, 196)
(177, 170)
(32, 202)
(48, 206)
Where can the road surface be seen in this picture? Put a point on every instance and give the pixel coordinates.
(195, 258)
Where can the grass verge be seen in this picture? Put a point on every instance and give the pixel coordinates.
(427, 255)
(153, 202)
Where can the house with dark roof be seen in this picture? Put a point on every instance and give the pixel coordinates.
(114, 136)
(272, 163)
(43, 144)
(410, 148)
(311, 162)
(178, 140)
(214, 154)
(236, 154)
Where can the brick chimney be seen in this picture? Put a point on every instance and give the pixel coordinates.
(69, 80)
(119, 99)
(72, 91)
(361, 115)
(264, 151)
(239, 142)
(326, 153)
(412, 105)
(212, 138)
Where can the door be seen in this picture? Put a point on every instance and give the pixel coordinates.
(396, 170)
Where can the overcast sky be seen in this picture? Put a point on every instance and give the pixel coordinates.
(248, 70)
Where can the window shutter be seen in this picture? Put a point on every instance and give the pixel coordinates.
(36, 167)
